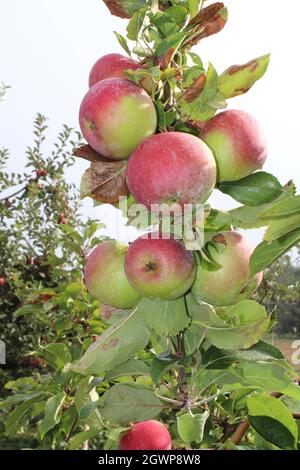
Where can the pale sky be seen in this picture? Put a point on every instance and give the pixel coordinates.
(47, 48)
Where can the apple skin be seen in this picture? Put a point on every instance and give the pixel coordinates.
(115, 116)
(111, 66)
(238, 143)
(160, 268)
(105, 277)
(172, 167)
(147, 435)
(232, 282)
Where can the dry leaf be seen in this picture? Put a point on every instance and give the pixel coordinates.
(195, 89)
(105, 180)
(209, 21)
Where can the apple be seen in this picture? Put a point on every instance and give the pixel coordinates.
(41, 173)
(105, 277)
(115, 66)
(228, 284)
(172, 167)
(238, 143)
(111, 66)
(158, 267)
(147, 435)
(2, 281)
(115, 116)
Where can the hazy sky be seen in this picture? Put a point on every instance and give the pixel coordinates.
(47, 48)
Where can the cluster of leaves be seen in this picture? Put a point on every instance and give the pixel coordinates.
(206, 372)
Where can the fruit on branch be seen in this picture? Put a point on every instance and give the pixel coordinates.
(115, 66)
(238, 143)
(41, 173)
(172, 167)
(229, 283)
(158, 267)
(116, 116)
(2, 281)
(105, 277)
(111, 66)
(147, 435)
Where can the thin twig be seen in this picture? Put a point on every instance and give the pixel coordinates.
(14, 194)
(169, 400)
(206, 400)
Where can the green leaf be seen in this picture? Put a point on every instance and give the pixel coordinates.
(123, 43)
(165, 317)
(52, 413)
(268, 376)
(57, 355)
(171, 20)
(193, 7)
(116, 345)
(251, 217)
(135, 25)
(266, 253)
(85, 395)
(28, 310)
(12, 423)
(13, 400)
(160, 365)
(245, 324)
(172, 42)
(133, 367)
(261, 351)
(24, 384)
(285, 208)
(214, 358)
(191, 428)
(74, 289)
(279, 228)
(238, 79)
(77, 441)
(273, 421)
(253, 190)
(124, 403)
(165, 118)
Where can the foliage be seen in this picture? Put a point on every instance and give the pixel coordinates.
(204, 371)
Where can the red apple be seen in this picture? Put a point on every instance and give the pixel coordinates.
(171, 167)
(2, 281)
(111, 66)
(147, 435)
(105, 277)
(158, 267)
(232, 281)
(238, 143)
(115, 116)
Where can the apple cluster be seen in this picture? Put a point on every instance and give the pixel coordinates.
(119, 121)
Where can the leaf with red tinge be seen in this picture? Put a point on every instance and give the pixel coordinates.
(124, 8)
(196, 88)
(105, 180)
(209, 21)
(238, 79)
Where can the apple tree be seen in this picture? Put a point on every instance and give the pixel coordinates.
(182, 337)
